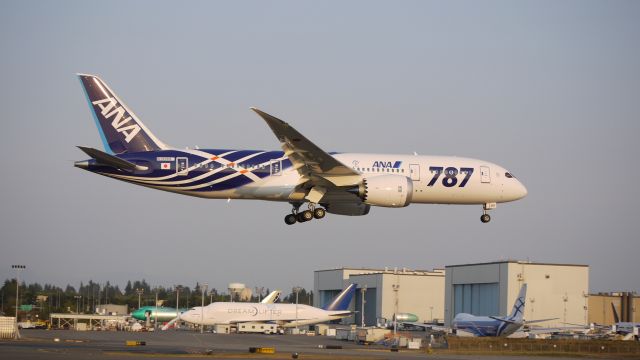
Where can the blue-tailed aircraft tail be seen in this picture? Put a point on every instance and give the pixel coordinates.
(517, 312)
(341, 301)
(120, 129)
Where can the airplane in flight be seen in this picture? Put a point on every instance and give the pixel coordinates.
(303, 173)
(285, 315)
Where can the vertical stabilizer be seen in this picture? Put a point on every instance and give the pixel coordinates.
(517, 312)
(616, 318)
(342, 301)
(120, 129)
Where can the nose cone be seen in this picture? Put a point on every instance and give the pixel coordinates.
(186, 316)
(519, 191)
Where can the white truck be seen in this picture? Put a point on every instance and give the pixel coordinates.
(257, 327)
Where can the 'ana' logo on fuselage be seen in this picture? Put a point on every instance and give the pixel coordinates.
(387, 164)
(109, 107)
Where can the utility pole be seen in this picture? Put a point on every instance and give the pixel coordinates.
(139, 291)
(296, 290)
(204, 289)
(178, 287)
(155, 320)
(395, 287)
(78, 297)
(363, 291)
(18, 268)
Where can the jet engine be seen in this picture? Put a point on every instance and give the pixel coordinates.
(386, 190)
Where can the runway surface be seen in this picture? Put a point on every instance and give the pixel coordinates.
(40, 344)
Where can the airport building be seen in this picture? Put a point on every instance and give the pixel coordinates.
(553, 290)
(625, 303)
(386, 292)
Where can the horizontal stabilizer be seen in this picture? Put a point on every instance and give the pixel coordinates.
(110, 160)
(504, 320)
(539, 320)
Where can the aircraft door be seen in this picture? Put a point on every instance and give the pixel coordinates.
(276, 167)
(414, 169)
(182, 166)
(485, 174)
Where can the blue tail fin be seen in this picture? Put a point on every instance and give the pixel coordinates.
(517, 312)
(342, 301)
(120, 129)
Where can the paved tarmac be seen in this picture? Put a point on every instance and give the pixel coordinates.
(72, 345)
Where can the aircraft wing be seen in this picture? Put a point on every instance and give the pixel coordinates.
(538, 321)
(425, 326)
(307, 158)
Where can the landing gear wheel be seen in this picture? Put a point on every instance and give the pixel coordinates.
(305, 216)
(319, 213)
(485, 218)
(290, 219)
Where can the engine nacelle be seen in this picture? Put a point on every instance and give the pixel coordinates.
(387, 190)
(349, 209)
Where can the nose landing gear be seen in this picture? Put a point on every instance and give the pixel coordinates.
(304, 216)
(485, 218)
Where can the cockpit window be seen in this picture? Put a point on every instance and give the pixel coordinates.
(508, 175)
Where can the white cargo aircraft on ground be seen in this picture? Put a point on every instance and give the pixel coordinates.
(338, 183)
(285, 315)
(269, 299)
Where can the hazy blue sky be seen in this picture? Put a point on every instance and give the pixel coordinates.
(548, 89)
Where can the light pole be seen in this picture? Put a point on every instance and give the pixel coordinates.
(139, 291)
(155, 313)
(395, 287)
(296, 289)
(204, 289)
(178, 287)
(78, 297)
(18, 268)
(431, 309)
(363, 291)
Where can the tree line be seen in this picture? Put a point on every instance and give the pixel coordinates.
(38, 301)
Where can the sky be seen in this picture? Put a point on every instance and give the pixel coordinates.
(548, 89)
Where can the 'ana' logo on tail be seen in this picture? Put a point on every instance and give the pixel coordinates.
(109, 107)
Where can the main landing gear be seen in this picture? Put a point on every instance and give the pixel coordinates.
(304, 216)
(485, 218)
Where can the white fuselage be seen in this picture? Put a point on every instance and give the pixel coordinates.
(487, 184)
(283, 314)
(435, 179)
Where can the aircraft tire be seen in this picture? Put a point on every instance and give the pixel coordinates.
(485, 218)
(305, 216)
(319, 213)
(290, 219)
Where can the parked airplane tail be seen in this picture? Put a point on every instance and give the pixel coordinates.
(616, 318)
(120, 129)
(517, 312)
(342, 300)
